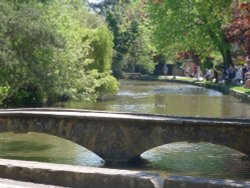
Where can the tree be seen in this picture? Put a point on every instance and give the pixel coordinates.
(195, 25)
(27, 45)
(132, 45)
(140, 51)
(85, 60)
(53, 51)
(239, 29)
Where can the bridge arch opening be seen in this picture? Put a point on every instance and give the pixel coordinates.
(202, 149)
(46, 148)
(198, 159)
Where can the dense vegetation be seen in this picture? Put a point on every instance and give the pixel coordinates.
(194, 25)
(132, 36)
(53, 50)
(147, 32)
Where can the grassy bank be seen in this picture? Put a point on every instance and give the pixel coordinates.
(225, 88)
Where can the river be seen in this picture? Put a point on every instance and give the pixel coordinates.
(199, 159)
(168, 99)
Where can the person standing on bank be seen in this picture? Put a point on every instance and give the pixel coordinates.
(165, 70)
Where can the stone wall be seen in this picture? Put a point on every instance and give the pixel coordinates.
(77, 176)
(240, 95)
(90, 177)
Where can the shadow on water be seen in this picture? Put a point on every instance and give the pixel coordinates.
(23, 146)
(60, 160)
(45, 148)
(135, 163)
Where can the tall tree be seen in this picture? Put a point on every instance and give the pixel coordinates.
(133, 50)
(195, 25)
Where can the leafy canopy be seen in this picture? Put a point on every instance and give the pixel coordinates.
(53, 50)
(195, 25)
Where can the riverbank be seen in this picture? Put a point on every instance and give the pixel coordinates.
(236, 91)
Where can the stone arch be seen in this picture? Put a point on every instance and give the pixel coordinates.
(234, 136)
(59, 127)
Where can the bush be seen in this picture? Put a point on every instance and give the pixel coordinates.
(28, 95)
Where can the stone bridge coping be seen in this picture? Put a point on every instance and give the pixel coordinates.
(92, 177)
(78, 114)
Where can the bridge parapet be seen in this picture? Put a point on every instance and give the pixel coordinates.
(120, 137)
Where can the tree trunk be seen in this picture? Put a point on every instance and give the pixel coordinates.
(227, 57)
(226, 51)
(175, 70)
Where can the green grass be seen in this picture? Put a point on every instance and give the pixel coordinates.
(241, 89)
(205, 83)
(200, 82)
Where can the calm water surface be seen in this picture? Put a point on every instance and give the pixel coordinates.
(168, 99)
(202, 159)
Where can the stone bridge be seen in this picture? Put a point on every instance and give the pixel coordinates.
(121, 137)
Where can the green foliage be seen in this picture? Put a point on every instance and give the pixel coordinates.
(207, 64)
(195, 25)
(133, 49)
(106, 86)
(3, 94)
(27, 46)
(87, 54)
(102, 49)
(27, 95)
(50, 51)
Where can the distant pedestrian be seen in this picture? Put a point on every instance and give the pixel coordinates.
(216, 76)
(231, 73)
(244, 71)
(165, 70)
(223, 74)
(207, 75)
(198, 73)
(238, 77)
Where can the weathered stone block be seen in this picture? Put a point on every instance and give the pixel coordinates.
(194, 182)
(77, 176)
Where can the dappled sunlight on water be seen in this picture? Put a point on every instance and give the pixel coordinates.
(199, 159)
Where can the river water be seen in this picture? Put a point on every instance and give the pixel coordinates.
(199, 159)
(168, 99)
